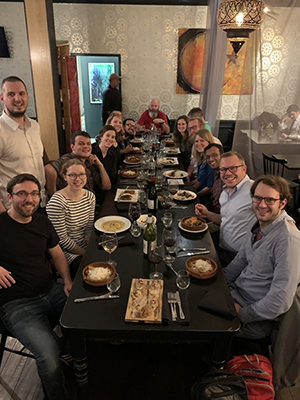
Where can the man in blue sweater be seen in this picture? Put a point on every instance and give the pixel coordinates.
(264, 275)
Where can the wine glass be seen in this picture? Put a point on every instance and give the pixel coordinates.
(114, 285)
(167, 219)
(169, 240)
(183, 279)
(110, 243)
(134, 213)
(156, 256)
(173, 189)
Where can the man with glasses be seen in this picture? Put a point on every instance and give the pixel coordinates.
(130, 130)
(30, 301)
(236, 212)
(21, 148)
(264, 276)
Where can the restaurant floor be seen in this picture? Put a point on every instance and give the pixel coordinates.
(117, 372)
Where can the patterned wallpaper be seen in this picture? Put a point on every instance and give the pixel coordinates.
(12, 17)
(145, 36)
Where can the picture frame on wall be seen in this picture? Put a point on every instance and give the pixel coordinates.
(99, 80)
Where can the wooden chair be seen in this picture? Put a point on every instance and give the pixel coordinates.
(4, 335)
(274, 166)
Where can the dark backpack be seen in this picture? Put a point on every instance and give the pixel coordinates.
(221, 385)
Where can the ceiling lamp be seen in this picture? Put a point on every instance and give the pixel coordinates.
(238, 18)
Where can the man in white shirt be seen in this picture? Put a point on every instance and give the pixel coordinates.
(290, 129)
(21, 148)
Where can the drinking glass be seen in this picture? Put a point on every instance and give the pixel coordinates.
(167, 219)
(169, 240)
(115, 284)
(173, 189)
(110, 243)
(134, 213)
(156, 257)
(183, 279)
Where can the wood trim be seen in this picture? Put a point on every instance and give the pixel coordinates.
(39, 47)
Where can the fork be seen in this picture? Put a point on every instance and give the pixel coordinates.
(191, 248)
(172, 302)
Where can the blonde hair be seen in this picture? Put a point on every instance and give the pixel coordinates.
(206, 135)
(117, 115)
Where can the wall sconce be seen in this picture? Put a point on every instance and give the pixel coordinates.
(238, 18)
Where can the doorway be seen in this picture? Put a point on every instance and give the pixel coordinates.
(93, 77)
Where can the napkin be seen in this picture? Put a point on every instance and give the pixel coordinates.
(166, 311)
(218, 302)
(128, 240)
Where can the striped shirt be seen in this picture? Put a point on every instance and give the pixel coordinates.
(73, 221)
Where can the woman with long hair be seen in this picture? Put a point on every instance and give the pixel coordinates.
(104, 151)
(71, 211)
(205, 174)
(183, 140)
(115, 119)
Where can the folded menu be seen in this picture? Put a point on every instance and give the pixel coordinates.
(167, 315)
(218, 302)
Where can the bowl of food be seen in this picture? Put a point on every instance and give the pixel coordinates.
(193, 223)
(201, 267)
(142, 221)
(98, 273)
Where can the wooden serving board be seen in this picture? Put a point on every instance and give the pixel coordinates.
(145, 301)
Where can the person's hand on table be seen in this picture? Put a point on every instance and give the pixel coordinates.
(5, 278)
(201, 211)
(128, 148)
(284, 136)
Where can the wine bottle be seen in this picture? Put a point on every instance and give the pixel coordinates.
(152, 196)
(149, 239)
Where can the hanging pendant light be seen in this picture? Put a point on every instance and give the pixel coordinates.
(238, 18)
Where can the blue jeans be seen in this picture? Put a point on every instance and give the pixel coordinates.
(31, 321)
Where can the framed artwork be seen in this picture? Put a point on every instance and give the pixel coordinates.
(99, 79)
(238, 75)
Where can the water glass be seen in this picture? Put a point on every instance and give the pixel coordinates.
(167, 219)
(109, 244)
(115, 284)
(183, 279)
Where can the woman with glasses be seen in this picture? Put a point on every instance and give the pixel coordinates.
(71, 211)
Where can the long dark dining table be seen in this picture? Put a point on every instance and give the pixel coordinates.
(105, 319)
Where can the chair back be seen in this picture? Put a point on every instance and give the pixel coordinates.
(273, 166)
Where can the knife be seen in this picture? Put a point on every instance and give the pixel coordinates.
(118, 237)
(106, 296)
(193, 254)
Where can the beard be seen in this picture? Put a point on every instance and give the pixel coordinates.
(26, 213)
(16, 114)
(153, 114)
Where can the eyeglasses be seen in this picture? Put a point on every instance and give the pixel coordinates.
(22, 194)
(270, 201)
(230, 169)
(72, 176)
(193, 128)
(131, 125)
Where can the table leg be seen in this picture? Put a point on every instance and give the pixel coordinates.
(221, 351)
(78, 349)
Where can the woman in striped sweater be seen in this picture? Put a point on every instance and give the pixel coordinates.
(71, 211)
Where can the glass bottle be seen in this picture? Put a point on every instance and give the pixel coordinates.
(150, 236)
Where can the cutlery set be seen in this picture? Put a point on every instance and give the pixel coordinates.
(173, 299)
(106, 296)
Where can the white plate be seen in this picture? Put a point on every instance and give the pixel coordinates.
(137, 140)
(194, 195)
(98, 224)
(170, 161)
(119, 193)
(178, 174)
(186, 230)
(172, 150)
(131, 163)
(175, 182)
